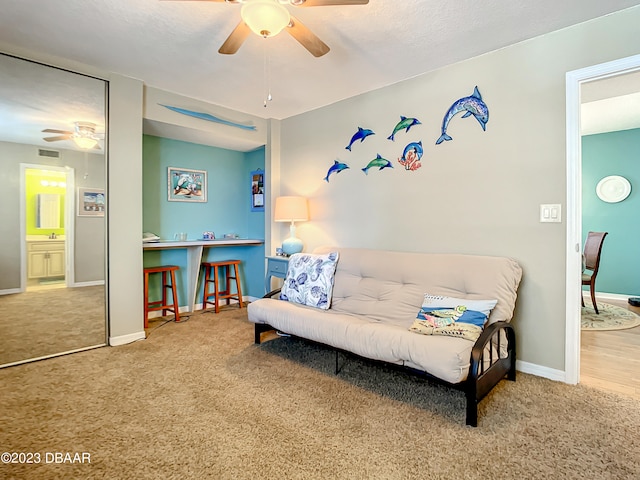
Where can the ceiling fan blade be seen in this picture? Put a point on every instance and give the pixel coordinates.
(51, 130)
(307, 38)
(326, 3)
(235, 40)
(56, 139)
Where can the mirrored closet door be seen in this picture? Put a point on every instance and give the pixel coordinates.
(53, 167)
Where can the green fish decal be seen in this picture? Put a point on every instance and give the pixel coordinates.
(404, 123)
(377, 162)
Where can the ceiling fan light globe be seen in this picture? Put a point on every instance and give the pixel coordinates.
(265, 17)
(85, 142)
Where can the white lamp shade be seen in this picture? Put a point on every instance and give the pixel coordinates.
(265, 17)
(291, 209)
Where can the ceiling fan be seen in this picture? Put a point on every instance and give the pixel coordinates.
(267, 18)
(84, 135)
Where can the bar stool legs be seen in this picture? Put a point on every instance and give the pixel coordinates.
(161, 304)
(213, 268)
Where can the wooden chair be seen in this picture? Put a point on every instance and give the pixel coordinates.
(161, 304)
(212, 275)
(592, 251)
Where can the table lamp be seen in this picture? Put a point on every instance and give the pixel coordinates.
(291, 209)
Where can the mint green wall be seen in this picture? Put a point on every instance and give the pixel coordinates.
(227, 209)
(615, 153)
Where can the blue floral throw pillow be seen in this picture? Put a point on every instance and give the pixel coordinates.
(309, 279)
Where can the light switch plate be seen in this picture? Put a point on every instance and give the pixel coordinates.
(551, 213)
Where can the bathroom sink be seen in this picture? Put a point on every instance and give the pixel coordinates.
(44, 238)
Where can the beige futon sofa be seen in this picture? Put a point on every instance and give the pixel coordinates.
(374, 304)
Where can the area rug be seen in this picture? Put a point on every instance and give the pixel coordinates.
(611, 317)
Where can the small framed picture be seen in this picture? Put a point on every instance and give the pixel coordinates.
(91, 202)
(185, 185)
(257, 191)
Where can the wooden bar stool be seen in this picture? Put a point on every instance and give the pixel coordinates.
(213, 268)
(161, 304)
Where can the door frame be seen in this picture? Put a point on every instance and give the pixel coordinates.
(69, 221)
(574, 81)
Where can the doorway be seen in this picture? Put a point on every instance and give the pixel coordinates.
(574, 81)
(46, 226)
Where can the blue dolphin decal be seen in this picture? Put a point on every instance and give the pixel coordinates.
(361, 134)
(416, 148)
(337, 167)
(472, 105)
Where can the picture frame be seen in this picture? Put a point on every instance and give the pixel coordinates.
(92, 202)
(257, 191)
(185, 185)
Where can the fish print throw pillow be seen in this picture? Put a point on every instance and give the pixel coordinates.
(457, 330)
(440, 311)
(309, 279)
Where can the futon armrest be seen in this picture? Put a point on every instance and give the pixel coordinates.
(272, 293)
(493, 336)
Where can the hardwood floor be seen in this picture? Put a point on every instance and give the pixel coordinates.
(610, 360)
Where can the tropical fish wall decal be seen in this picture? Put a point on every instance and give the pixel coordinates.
(337, 167)
(404, 124)
(361, 134)
(411, 156)
(377, 162)
(208, 117)
(472, 105)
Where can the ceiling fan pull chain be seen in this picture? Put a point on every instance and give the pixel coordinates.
(267, 74)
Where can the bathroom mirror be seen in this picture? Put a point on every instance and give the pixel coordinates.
(48, 211)
(52, 144)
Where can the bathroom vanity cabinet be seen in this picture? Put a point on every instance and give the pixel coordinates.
(46, 259)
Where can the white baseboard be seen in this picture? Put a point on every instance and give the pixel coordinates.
(198, 306)
(607, 296)
(158, 313)
(540, 371)
(124, 339)
(10, 291)
(93, 283)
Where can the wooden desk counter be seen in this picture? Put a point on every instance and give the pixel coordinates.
(195, 249)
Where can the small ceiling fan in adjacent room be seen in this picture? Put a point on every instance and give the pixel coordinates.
(267, 18)
(84, 135)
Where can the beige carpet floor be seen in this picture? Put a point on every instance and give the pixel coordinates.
(199, 400)
(45, 322)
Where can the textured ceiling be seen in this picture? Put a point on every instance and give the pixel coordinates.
(172, 45)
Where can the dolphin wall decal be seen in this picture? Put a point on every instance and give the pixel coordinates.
(361, 134)
(337, 167)
(404, 123)
(377, 162)
(472, 105)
